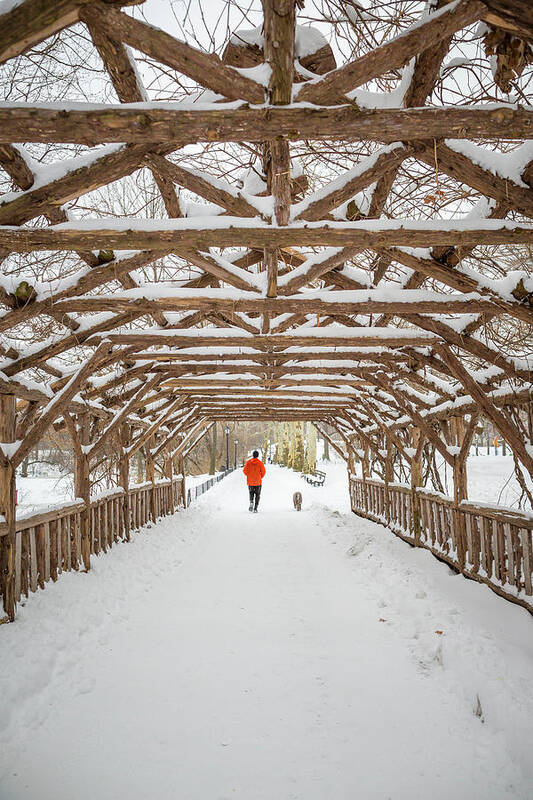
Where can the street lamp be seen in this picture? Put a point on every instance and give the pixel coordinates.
(226, 431)
(235, 457)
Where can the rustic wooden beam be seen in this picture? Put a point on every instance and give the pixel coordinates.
(208, 425)
(16, 166)
(60, 401)
(275, 358)
(368, 171)
(471, 345)
(185, 383)
(449, 276)
(181, 236)
(514, 16)
(316, 267)
(507, 430)
(124, 476)
(174, 369)
(204, 301)
(393, 54)
(220, 269)
(48, 350)
(155, 426)
(106, 273)
(188, 419)
(418, 420)
(211, 189)
(79, 179)
(465, 171)
(192, 438)
(32, 21)
(207, 69)
(154, 125)
(316, 338)
(119, 418)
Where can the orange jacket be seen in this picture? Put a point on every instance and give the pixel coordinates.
(254, 469)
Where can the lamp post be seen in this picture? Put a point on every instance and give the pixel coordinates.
(235, 455)
(226, 431)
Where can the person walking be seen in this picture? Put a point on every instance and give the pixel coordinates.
(254, 469)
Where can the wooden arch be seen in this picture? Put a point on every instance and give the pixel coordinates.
(295, 287)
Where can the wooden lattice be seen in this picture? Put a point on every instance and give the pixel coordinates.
(301, 295)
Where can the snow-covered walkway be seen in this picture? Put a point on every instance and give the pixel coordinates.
(266, 657)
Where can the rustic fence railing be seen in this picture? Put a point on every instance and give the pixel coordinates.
(49, 543)
(489, 544)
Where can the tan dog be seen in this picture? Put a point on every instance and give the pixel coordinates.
(297, 501)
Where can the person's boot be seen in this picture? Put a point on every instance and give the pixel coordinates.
(251, 507)
(255, 510)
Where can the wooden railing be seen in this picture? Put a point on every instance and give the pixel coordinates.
(197, 491)
(49, 543)
(489, 544)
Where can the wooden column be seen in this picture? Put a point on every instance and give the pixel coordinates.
(461, 435)
(351, 468)
(278, 29)
(388, 476)
(417, 444)
(8, 506)
(124, 472)
(169, 473)
(150, 474)
(365, 471)
(181, 468)
(82, 486)
(460, 487)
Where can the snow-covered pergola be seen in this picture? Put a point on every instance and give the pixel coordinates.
(309, 299)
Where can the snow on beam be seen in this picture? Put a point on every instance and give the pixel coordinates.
(347, 185)
(394, 54)
(207, 69)
(30, 22)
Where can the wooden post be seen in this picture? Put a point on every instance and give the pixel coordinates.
(388, 477)
(181, 468)
(124, 471)
(169, 473)
(82, 486)
(460, 486)
(150, 474)
(417, 443)
(365, 467)
(462, 435)
(8, 506)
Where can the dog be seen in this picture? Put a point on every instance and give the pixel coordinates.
(297, 501)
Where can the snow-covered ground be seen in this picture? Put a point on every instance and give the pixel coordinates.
(275, 656)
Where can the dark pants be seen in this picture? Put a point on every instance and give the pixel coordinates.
(255, 494)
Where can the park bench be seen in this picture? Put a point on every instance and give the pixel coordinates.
(317, 479)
